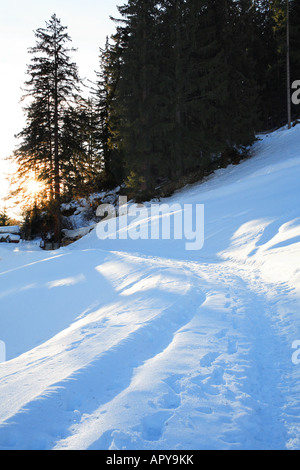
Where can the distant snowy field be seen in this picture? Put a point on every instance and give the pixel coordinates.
(144, 345)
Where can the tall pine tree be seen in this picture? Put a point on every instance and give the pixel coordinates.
(53, 83)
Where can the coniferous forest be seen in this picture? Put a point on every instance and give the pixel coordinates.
(183, 87)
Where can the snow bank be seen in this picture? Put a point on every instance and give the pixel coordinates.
(10, 229)
(78, 233)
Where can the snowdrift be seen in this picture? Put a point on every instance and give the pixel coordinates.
(13, 229)
(141, 344)
(10, 234)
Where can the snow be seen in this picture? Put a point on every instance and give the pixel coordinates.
(83, 213)
(141, 344)
(9, 238)
(79, 232)
(10, 229)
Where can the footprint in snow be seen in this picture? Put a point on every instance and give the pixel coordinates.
(221, 334)
(232, 346)
(170, 400)
(153, 425)
(208, 359)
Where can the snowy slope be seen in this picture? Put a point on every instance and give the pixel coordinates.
(144, 345)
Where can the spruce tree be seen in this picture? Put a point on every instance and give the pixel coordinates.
(81, 157)
(4, 219)
(107, 111)
(295, 48)
(52, 85)
(138, 93)
(186, 89)
(176, 95)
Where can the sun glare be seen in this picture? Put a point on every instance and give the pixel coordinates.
(33, 187)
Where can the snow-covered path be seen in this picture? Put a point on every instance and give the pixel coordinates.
(221, 377)
(143, 345)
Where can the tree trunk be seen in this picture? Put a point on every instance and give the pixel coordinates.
(57, 214)
(178, 91)
(289, 105)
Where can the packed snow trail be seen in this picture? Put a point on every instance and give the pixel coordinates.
(144, 345)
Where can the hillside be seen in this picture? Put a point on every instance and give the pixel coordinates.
(142, 344)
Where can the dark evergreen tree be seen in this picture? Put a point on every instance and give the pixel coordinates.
(272, 67)
(81, 161)
(196, 80)
(137, 93)
(53, 82)
(107, 112)
(179, 92)
(186, 89)
(4, 219)
(220, 89)
(295, 48)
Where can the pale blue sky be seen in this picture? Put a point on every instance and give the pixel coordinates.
(88, 25)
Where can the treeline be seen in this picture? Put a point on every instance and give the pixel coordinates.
(183, 87)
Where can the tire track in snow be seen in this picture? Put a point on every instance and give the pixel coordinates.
(141, 329)
(230, 383)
